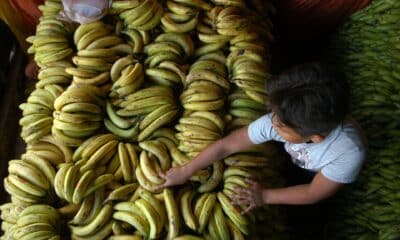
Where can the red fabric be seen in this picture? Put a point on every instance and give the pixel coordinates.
(302, 19)
(29, 12)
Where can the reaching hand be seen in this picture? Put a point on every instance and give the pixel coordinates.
(251, 196)
(174, 176)
(31, 70)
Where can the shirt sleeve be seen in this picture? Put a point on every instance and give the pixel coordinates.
(344, 169)
(261, 130)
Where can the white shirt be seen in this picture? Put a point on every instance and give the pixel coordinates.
(339, 156)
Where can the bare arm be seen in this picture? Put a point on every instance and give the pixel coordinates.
(319, 189)
(255, 196)
(234, 142)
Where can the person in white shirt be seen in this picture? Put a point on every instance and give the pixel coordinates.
(309, 114)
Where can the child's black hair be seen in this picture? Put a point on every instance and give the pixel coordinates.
(310, 98)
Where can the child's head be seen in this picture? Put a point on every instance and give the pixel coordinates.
(308, 101)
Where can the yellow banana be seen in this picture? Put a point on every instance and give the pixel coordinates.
(133, 156)
(125, 163)
(160, 74)
(200, 4)
(71, 178)
(28, 172)
(97, 223)
(81, 186)
(84, 210)
(151, 216)
(180, 9)
(104, 42)
(187, 211)
(171, 26)
(144, 182)
(99, 154)
(159, 150)
(90, 36)
(173, 214)
(133, 219)
(233, 214)
(18, 192)
(235, 231)
(215, 178)
(122, 193)
(100, 181)
(97, 64)
(181, 39)
(153, 22)
(150, 168)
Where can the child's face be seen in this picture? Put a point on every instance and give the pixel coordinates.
(287, 133)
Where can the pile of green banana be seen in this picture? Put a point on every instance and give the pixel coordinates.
(366, 48)
(36, 221)
(120, 99)
(50, 43)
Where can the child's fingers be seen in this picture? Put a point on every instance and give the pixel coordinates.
(162, 175)
(241, 201)
(250, 181)
(242, 191)
(248, 209)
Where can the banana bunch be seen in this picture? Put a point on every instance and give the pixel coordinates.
(51, 8)
(137, 39)
(37, 117)
(89, 208)
(182, 16)
(99, 227)
(97, 49)
(73, 185)
(235, 3)
(145, 213)
(235, 177)
(30, 180)
(243, 109)
(210, 39)
(206, 75)
(9, 216)
(51, 150)
(230, 21)
(164, 58)
(78, 113)
(121, 192)
(96, 152)
(38, 222)
(198, 130)
(54, 74)
(50, 43)
(127, 76)
(153, 159)
(202, 98)
(156, 105)
(247, 66)
(140, 15)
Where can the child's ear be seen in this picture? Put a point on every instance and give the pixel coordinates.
(317, 138)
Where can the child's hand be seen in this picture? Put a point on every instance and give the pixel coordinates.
(251, 196)
(174, 176)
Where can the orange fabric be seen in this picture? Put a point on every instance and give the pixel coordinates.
(22, 17)
(305, 19)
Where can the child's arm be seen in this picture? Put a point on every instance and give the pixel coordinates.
(234, 142)
(255, 196)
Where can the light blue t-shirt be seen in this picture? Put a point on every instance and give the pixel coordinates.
(339, 156)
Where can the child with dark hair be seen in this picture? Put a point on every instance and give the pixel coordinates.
(309, 106)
